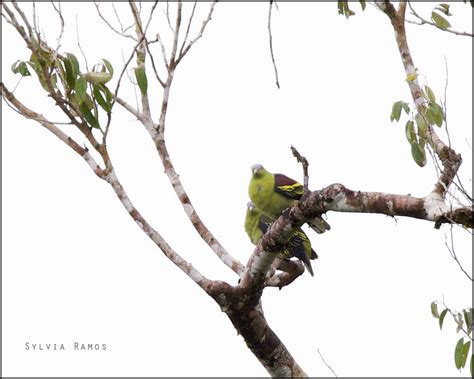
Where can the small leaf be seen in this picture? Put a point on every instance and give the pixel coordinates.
(88, 116)
(97, 77)
(410, 133)
(434, 309)
(468, 318)
(430, 94)
(15, 67)
(80, 88)
(418, 154)
(362, 4)
(459, 321)
(23, 68)
(459, 353)
(406, 107)
(444, 8)
(74, 64)
(396, 110)
(422, 127)
(438, 114)
(20, 67)
(99, 98)
(465, 353)
(107, 64)
(440, 21)
(441, 318)
(141, 79)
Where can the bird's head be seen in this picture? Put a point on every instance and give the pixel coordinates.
(257, 170)
(251, 207)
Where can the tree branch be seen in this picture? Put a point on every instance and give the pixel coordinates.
(449, 158)
(424, 21)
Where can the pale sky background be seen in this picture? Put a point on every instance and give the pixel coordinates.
(77, 269)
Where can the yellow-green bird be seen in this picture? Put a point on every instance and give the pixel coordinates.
(273, 193)
(298, 246)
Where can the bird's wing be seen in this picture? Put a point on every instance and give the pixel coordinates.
(288, 187)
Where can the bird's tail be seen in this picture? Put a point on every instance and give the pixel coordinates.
(319, 225)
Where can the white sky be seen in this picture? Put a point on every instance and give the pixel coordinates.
(76, 268)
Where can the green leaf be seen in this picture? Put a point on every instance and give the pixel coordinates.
(468, 317)
(459, 320)
(434, 309)
(422, 127)
(343, 8)
(99, 98)
(97, 77)
(440, 21)
(465, 353)
(70, 77)
(444, 8)
(437, 113)
(410, 132)
(88, 116)
(362, 4)
(430, 94)
(141, 79)
(20, 67)
(396, 110)
(418, 154)
(406, 107)
(74, 64)
(107, 64)
(441, 318)
(80, 88)
(458, 353)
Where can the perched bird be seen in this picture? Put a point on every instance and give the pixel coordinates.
(298, 246)
(273, 193)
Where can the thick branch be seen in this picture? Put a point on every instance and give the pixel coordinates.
(244, 310)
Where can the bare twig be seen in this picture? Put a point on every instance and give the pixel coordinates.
(200, 34)
(424, 21)
(187, 29)
(111, 27)
(452, 252)
(167, 13)
(305, 164)
(176, 35)
(329, 367)
(271, 42)
(79, 45)
(61, 20)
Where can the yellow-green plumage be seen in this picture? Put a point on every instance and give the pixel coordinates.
(298, 246)
(273, 193)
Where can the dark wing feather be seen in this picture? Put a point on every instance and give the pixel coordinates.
(288, 187)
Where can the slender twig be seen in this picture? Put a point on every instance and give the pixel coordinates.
(167, 13)
(187, 29)
(270, 37)
(176, 34)
(305, 164)
(324, 361)
(117, 16)
(452, 251)
(424, 21)
(79, 45)
(61, 20)
(111, 27)
(200, 34)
